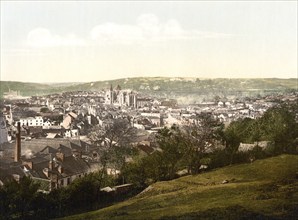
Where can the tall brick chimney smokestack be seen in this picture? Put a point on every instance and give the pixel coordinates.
(17, 152)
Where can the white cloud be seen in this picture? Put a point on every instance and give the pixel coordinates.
(111, 33)
(173, 29)
(42, 37)
(147, 28)
(149, 25)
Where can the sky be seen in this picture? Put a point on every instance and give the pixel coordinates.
(85, 41)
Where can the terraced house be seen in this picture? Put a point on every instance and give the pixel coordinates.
(52, 162)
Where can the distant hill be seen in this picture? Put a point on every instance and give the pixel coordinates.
(264, 189)
(31, 89)
(27, 89)
(187, 90)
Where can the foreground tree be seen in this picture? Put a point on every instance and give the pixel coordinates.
(200, 140)
(17, 199)
(279, 126)
(187, 146)
(113, 141)
(243, 130)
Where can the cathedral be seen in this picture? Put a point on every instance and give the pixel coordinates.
(119, 97)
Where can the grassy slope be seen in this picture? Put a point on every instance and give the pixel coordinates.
(263, 189)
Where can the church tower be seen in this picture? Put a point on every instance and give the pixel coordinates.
(109, 99)
(111, 95)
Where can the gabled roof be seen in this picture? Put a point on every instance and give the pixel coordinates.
(52, 135)
(72, 114)
(7, 174)
(73, 166)
(49, 150)
(43, 151)
(66, 150)
(40, 145)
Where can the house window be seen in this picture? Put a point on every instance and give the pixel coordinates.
(61, 182)
(68, 180)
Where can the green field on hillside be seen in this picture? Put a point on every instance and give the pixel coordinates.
(264, 189)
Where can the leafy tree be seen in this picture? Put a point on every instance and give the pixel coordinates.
(58, 202)
(243, 130)
(5, 197)
(17, 198)
(186, 146)
(201, 139)
(117, 132)
(278, 125)
(45, 110)
(170, 141)
(84, 192)
(113, 141)
(233, 139)
(142, 172)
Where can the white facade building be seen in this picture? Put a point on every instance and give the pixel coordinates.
(31, 121)
(3, 130)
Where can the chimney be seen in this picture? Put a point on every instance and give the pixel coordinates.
(60, 169)
(17, 152)
(77, 154)
(51, 163)
(46, 172)
(60, 156)
(29, 164)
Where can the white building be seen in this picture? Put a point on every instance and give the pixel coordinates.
(120, 97)
(31, 121)
(71, 133)
(3, 130)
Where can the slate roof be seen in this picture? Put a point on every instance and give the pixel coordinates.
(7, 174)
(38, 145)
(43, 150)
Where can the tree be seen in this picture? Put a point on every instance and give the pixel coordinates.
(169, 140)
(242, 130)
(45, 110)
(113, 141)
(17, 198)
(161, 164)
(278, 125)
(201, 139)
(186, 146)
(139, 172)
(84, 193)
(116, 132)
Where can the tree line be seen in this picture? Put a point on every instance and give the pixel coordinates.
(208, 145)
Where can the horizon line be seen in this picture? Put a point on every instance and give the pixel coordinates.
(138, 77)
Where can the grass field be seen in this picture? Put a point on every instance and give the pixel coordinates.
(264, 189)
